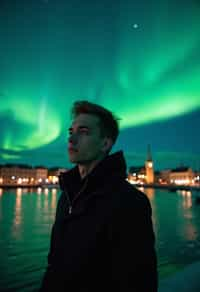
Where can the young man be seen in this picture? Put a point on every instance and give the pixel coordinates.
(102, 238)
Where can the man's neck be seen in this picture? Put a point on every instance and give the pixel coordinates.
(85, 169)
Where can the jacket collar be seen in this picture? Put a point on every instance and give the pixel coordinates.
(111, 168)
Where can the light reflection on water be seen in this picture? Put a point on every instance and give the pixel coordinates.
(176, 219)
(27, 215)
(1, 192)
(18, 214)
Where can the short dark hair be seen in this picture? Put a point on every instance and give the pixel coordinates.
(109, 123)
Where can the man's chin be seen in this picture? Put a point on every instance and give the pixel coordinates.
(72, 159)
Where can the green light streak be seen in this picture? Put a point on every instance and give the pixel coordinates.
(157, 71)
(144, 74)
(36, 128)
(10, 156)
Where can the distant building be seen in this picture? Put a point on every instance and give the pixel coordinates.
(142, 174)
(149, 167)
(197, 177)
(41, 174)
(163, 176)
(137, 175)
(15, 175)
(53, 174)
(182, 176)
(12, 175)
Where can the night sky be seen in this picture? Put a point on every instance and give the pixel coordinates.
(141, 59)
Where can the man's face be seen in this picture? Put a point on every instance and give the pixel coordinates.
(85, 143)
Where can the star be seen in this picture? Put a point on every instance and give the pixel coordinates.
(135, 25)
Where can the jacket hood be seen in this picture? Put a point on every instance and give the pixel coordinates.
(111, 168)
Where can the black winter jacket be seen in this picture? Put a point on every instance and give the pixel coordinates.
(102, 238)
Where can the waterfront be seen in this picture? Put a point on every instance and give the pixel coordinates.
(26, 217)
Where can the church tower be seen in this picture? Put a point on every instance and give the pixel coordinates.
(149, 167)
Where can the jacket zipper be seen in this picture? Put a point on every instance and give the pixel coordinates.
(71, 202)
(70, 209)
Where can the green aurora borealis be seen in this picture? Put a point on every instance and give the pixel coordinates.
(141, 59)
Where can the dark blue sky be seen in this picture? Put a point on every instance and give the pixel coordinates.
(141, 59)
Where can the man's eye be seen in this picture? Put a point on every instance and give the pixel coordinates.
(84, 131)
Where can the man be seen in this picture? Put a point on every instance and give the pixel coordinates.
(102, 238)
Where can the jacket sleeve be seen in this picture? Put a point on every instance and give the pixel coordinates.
(134, 263)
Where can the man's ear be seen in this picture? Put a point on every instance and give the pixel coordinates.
(107, 144)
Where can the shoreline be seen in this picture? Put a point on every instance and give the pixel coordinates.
(172, 188)
(169, 187)
(29, 186)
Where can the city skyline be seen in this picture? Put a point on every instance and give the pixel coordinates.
(138, 58)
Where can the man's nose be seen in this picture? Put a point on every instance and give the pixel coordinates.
(72, 138)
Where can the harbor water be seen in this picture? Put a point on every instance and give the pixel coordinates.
(27, 215)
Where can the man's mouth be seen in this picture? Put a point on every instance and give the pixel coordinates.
(72, 150)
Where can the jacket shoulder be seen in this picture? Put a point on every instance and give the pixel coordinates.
(131, 198)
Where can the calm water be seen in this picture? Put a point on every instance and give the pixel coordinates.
(26, 217)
